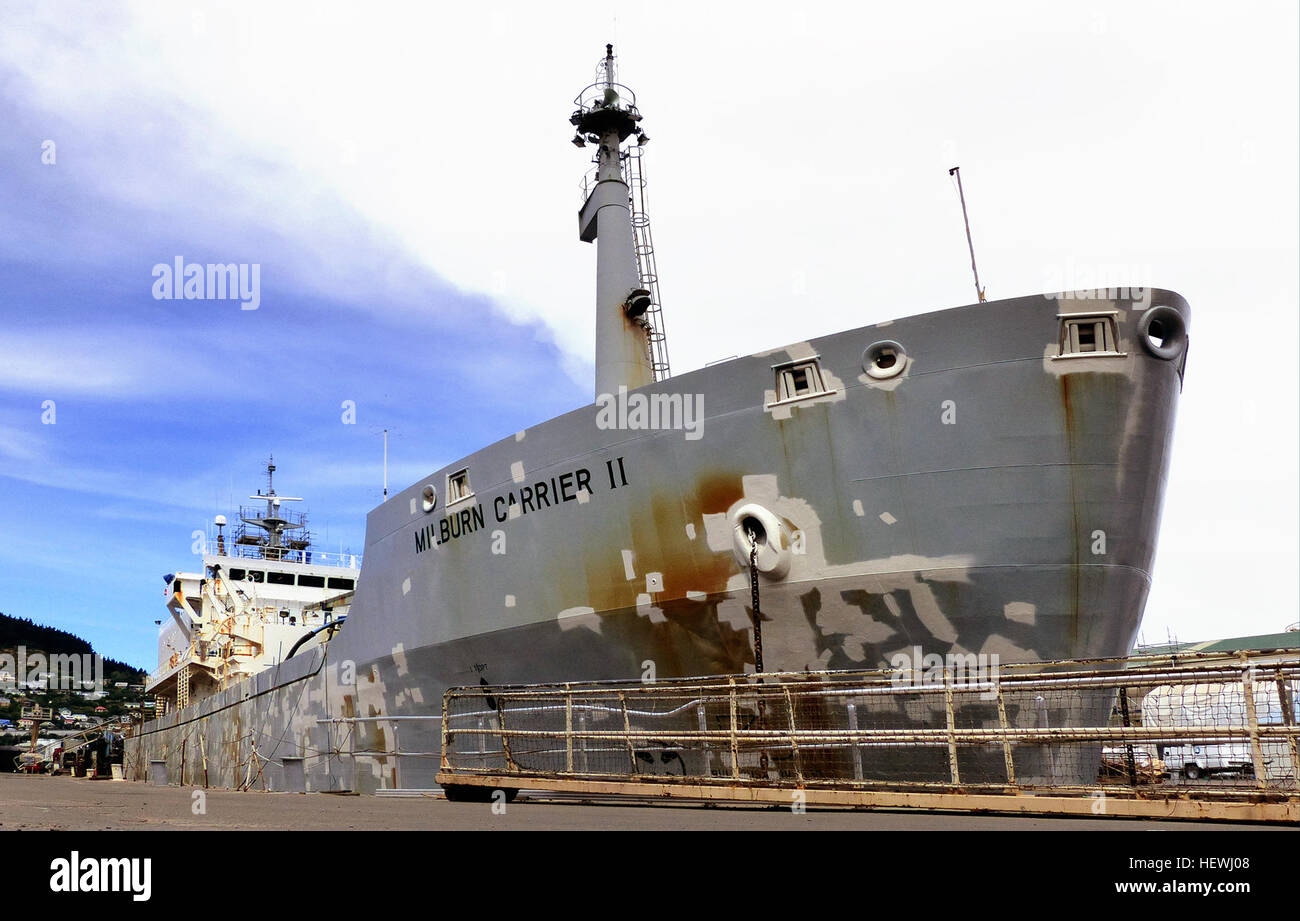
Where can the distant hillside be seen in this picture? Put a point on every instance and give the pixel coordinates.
(19, 631)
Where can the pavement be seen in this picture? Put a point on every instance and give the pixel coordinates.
(41, 802)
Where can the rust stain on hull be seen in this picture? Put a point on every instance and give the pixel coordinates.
(1071, 447)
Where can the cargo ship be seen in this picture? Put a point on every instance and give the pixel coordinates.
(984, 480)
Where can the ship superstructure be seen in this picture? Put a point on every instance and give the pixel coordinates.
(982, 481)
(263, 593)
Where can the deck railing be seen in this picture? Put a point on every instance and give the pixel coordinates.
(229, 546)
(1153, 723)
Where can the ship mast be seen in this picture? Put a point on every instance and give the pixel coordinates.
(630, 348)
(275, 522)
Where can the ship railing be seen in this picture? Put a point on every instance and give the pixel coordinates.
(310, 555)
(1193, 726)
(602, 95)
(588, 182)
(190, 656)
(156, 676)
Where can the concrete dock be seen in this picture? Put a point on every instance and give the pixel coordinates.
(66, 803)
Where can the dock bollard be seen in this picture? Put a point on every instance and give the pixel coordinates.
(295, 778)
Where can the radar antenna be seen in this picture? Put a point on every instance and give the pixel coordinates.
(274, 522)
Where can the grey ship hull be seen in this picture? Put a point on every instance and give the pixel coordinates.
(992, 499)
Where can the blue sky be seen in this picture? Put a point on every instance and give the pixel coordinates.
(165, 410)
(402, 174)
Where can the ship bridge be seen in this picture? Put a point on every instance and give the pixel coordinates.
(263, 593)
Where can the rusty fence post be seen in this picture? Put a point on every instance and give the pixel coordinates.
(735, 745)
(855, 749)
(446, 714)
(627, 733)
(582, 742)
(568, 728)
(1129, 763)
(505, 742)
(952, 727)
(701, 719)
(1287, 703)
(1256, 753)
(1006, 739)
(794, 734)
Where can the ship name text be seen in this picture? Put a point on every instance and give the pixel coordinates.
(529, 498)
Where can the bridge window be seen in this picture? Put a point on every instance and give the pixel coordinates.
(311, 581)
(343, 584)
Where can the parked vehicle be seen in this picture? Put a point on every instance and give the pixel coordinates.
(1218, 705)
(1114, 764)
(1196, 761)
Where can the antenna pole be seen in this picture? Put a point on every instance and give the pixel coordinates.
(956, 171)
(385, 465)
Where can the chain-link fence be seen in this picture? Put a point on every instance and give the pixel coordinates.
(1151, 722)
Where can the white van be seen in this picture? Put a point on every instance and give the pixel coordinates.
(1194, 761)
(1218, 704)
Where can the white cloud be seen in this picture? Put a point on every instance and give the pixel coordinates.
(20, 443)
(52, 364)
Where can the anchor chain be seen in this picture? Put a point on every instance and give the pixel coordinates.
(753, 591)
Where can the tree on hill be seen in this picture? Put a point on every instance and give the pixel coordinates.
(21, 631)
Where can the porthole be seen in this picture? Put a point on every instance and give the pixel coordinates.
(884, 359)
(429, 498)
(1163, 332)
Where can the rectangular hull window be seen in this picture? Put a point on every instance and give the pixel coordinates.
(458, 486)
(799, 380)
(1089, 335)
